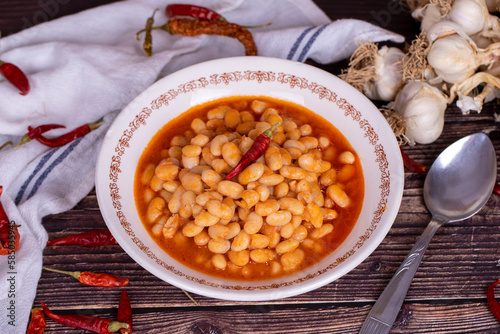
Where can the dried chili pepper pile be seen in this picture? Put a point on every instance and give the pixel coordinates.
(203, 21)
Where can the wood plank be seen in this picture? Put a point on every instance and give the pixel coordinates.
(331, 318)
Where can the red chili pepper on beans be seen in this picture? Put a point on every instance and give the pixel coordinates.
(92, 238)
(15, 76)
(87, 322)
(197, 12)
(411, 164)
(37, 322)
(492, 301)
(125, 312)
(68, 137)
(257, 149)
(9, 236)
(94, 279)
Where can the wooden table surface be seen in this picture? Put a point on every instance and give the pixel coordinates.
(448, 294)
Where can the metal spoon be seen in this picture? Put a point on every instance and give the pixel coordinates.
(457, 186)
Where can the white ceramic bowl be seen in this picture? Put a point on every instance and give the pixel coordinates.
(347, 109)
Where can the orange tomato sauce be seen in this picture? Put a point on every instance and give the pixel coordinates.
(184, 249)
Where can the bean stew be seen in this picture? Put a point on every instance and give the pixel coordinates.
(284, 212)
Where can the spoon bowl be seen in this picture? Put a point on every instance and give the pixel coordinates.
(457, 186)
(459, 182)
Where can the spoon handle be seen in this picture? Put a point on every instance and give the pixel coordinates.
(384, 312)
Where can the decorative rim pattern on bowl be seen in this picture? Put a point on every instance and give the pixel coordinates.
(257, 77)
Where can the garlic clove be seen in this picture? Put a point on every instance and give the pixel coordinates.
(444, 28)
(428, 15)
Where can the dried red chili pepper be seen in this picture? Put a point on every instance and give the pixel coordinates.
(257, 149)
(411, 164)
(68, 137)
(102, 280)
(9, 235)
(92, 238)
(496, 189)
(87, 322)
(35, 132)
(196, 27)
(125, 312)
(197, 12)
(37, 322)
(15, 76)
(492, 301)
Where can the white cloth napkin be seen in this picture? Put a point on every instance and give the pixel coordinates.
(86, 67)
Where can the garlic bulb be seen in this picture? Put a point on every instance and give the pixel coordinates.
(376, 73)
(422, 106)
(455, 58)
(389, 75)
(473, 16)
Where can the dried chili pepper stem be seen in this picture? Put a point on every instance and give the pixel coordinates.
(87, 322)
(37, 323)
(257, 149)
(9, 143)
(492, 301)
(15, 76)
(102, 237)
(94, 279)
(148, 39)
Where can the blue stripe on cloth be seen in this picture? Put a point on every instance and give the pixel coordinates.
(53, 165)
(295, 46)
(38, 167)
(306, 48)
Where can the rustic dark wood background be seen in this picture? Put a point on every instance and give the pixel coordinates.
(448, 294)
